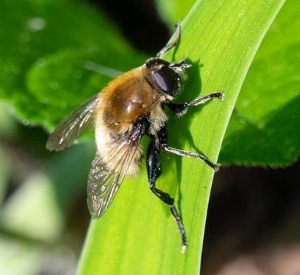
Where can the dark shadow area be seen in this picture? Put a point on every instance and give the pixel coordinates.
(181, 126)
(253, 212)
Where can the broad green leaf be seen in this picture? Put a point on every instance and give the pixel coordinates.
(137, 235)
(264, 128)
(46, 52)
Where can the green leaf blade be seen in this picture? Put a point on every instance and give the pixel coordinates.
(138, 234)
(263, 129)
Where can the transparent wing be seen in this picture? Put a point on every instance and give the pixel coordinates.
(104, 183)
(72, 126)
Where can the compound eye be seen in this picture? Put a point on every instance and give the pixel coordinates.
(168, 81)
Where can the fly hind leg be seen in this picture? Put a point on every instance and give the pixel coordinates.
(154, 170)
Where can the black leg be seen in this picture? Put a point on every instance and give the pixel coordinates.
(154, 170)
(181, 65)
(181, 108)
(183, 153)
(172, 44)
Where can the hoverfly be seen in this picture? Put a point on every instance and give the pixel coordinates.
(129, 107)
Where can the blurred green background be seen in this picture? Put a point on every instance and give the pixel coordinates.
(49, 48)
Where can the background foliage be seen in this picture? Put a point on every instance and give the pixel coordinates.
(56, 54)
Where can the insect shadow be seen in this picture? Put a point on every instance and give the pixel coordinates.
(180, 126)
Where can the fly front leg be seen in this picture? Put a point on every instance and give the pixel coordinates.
(173, 43)
(154, 171)
(181, 108)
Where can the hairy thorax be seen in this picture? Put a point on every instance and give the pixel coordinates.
(127, 104)
(122, 103)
